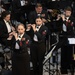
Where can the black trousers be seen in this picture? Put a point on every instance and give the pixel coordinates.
(66, 55)
(66, 58)
(67, 61)
(37, 56)
(20, 64)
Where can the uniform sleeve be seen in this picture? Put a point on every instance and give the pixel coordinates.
(3, 34)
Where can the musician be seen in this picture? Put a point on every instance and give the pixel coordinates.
(68, 25)
(38, 33)
(20, 58)
(6, 29)
(39, 11)
(69, 19)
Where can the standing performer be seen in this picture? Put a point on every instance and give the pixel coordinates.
(68, 26)
(38, 32)
(20, 58)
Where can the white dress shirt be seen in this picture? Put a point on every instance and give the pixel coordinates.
(8, 26)
(19, 38)
(35, 38)
(67, 18)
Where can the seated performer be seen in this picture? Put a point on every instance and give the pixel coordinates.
(6, 29)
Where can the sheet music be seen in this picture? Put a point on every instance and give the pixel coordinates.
(71, 40)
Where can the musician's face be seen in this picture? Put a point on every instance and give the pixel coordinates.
(38, 21)
(39, 9)
(68, 13)
(20, 29)
(7, 18)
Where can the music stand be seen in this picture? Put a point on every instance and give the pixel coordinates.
(47, 58)
(49, 54)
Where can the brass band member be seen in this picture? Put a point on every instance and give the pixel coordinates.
(20, 59)
(6, 29)
(38, 12)
(38, 33)
(68, 25)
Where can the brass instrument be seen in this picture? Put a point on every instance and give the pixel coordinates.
(54, 12)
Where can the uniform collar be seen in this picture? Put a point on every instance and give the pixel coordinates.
(20, 36)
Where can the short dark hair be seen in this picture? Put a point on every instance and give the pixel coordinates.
(68, 8)
(4, 14)
(39, 17)
(38, 5)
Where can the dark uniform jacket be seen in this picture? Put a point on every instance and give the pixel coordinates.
(3, 32)
(41, 34)
(23, 44)
(33, 15)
